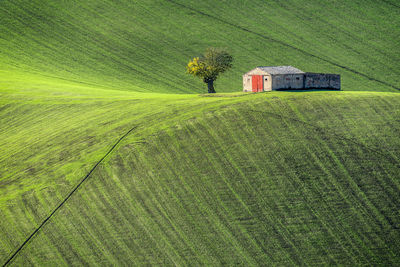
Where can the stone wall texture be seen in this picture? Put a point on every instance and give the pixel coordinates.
(321, 80)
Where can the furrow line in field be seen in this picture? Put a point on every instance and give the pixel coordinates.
(112, 217)
(249, 157)
(66, 198)
(319, 129)
(93, 225)
(368, 204)
(49, 198)
(245, 143)
(157, 230)
(297, 182)
(163, 159)
(105, 209)
(388, 185)
(128, 207)
(193, 135)
(145, 232)
(298, 10)
(66, 248)
(170, 241)
(325, 182)
(218, 221)
(208, 130)
(159, 199)
(249, 145)
(183, 188)
(362, 196)
(284, 44)
(373, 207)
(220, 216)
(389, 3)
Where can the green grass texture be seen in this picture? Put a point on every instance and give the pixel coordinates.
(145, 45)
(182, 178)
(284, 178)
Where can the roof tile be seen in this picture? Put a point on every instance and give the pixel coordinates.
(281, 70)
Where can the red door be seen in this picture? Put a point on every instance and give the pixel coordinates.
(257, 83)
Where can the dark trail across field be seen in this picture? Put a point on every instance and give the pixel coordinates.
(277, 178)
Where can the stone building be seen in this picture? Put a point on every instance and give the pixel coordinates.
(287, 77)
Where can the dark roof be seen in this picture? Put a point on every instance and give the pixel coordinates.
(280, 70)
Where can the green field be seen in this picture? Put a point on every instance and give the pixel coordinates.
(279, 178)
(144, 45)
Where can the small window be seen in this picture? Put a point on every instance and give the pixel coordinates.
(266, 79)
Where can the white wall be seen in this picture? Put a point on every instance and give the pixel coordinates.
(247, 86)
(267, 82)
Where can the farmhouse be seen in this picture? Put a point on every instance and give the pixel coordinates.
(287, 77)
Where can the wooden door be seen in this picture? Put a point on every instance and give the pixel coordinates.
(257, 83)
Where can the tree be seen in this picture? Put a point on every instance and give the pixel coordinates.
(214, 62)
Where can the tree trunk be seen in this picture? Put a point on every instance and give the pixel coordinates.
(210, 84)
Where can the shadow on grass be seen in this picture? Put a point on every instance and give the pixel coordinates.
(239, 94)
(308, 90)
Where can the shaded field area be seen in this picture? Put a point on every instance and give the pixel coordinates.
(145, 45)
(275, 178)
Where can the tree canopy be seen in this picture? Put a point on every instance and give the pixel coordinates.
(208, 66)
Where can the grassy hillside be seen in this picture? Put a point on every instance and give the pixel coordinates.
(144, 45)
(284, 178)
(305, 178)
(50, 142)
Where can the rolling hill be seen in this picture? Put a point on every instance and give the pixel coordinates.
(144, 45)
(109, 155)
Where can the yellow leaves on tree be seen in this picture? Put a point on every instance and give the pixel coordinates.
(210, 65)
(196, 67)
